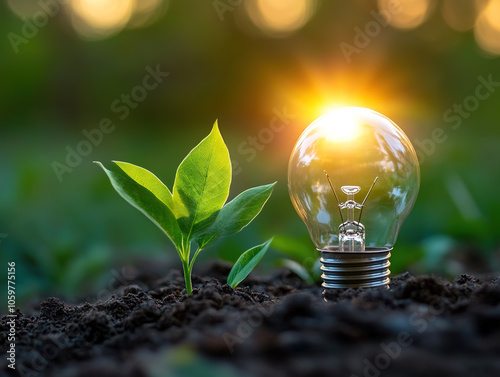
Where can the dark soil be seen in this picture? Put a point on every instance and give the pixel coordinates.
(422, 326)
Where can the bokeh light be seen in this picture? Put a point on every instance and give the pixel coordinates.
(97, 19)
(492, 14)
(460, 15)
(280, 18)
(146, 12)
(487, 28)
(409, 13)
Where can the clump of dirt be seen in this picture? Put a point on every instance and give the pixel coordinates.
(274, 326)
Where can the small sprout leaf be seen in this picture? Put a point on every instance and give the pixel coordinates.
(246, 263)
(202, 183)
(148, 180)
(145, 195)
(236, 214)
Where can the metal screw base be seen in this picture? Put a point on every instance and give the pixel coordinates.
(363, 269)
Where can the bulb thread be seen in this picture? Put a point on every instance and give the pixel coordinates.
(363, 269)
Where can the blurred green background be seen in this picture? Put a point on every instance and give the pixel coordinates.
(67, 65)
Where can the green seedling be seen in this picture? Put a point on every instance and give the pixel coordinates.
(195, 213)
(246, 263)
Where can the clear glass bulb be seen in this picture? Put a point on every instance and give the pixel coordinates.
(353, 178)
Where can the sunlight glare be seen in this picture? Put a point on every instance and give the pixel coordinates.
(339, 125)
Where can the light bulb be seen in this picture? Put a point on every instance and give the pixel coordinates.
(353, 178)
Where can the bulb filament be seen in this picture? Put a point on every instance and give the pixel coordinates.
(351, 232)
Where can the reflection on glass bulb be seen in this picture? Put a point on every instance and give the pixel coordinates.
(353, 178)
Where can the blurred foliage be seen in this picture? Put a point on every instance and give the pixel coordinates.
(185, 361)
(247, 68)
(300, 259)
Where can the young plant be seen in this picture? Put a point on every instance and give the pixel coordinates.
(246, 263)
(193, 213)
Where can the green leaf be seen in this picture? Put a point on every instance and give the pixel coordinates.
(148, 180)
(202, 183)
(246, 263)
(236, 214)
(146, 193)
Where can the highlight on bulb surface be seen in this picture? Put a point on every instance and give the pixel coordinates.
(353, 178)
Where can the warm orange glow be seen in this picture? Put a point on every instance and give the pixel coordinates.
(487, 28)
(492, 14)
(100, 18)
(279, 18)
(410, 14)
(339, 126)
(319, 89)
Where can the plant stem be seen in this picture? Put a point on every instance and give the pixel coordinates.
(187, 276)
(194, 258)
(187, 267)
